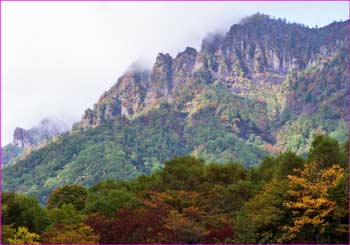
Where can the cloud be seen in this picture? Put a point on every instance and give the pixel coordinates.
(59, 57)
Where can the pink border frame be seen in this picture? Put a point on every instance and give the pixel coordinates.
(155, 1)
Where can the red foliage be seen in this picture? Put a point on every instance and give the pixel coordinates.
(167, 217)
(127, 226)
(218, 234)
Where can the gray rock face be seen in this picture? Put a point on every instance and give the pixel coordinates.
(46, 129)
(88, 118)
(183, 65)
(258, 48)
(33, 138)
(161, 78)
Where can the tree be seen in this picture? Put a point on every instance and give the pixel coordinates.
(238, 194)
(181, 229)
(66, 214)
(183, 173)
(260, 218)
(7, 232)
(185, 220)
(19, 236)
(127, 226)
(110, 202)
(338, 230)
(166, 217)
(344, 149)
(19, 210)
(286, 163)
(225, 174)
(309, 202)
(325, 151)
(169, 200)
(219, 234)
(70, 234)
(280, 166)
(69, 194)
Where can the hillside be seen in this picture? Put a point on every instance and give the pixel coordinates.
(266, 86)
(26, 141)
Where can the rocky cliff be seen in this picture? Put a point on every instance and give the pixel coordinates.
(25, 141)
(22, 138)
(252, 59)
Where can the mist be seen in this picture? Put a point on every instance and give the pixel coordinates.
(59, 57)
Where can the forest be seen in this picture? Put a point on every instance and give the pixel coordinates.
(286, 198)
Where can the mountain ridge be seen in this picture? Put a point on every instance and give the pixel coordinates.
(266, 86)
(189, 62)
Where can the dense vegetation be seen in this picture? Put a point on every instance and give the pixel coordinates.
(122, 149)
(285, 199)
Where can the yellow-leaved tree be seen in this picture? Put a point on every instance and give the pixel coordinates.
(309, 202)
(23, 236)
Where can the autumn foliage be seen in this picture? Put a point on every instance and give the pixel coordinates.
(309, 202)
(285, 199)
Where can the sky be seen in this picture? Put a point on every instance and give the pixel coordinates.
(57, 58)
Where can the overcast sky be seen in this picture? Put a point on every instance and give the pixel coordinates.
(57, 58)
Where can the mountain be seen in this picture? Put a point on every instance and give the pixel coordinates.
(26, 141)
(264, 87)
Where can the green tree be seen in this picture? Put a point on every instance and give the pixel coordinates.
(325, 151)
(260, 218)
(183, 173)
(66, 214)
(69, 194)
(225, 174)
(338, 229)
(110, 202)
(20, 210)
(286, 163)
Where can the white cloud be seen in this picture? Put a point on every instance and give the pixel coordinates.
(59, 57)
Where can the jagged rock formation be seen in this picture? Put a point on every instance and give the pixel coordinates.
(22, 138)
(255, 55)
(264, 87)
(24, 141)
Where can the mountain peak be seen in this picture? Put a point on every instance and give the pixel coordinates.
(188, 51)
(258, 17)
(260, 48)
(163, 59)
